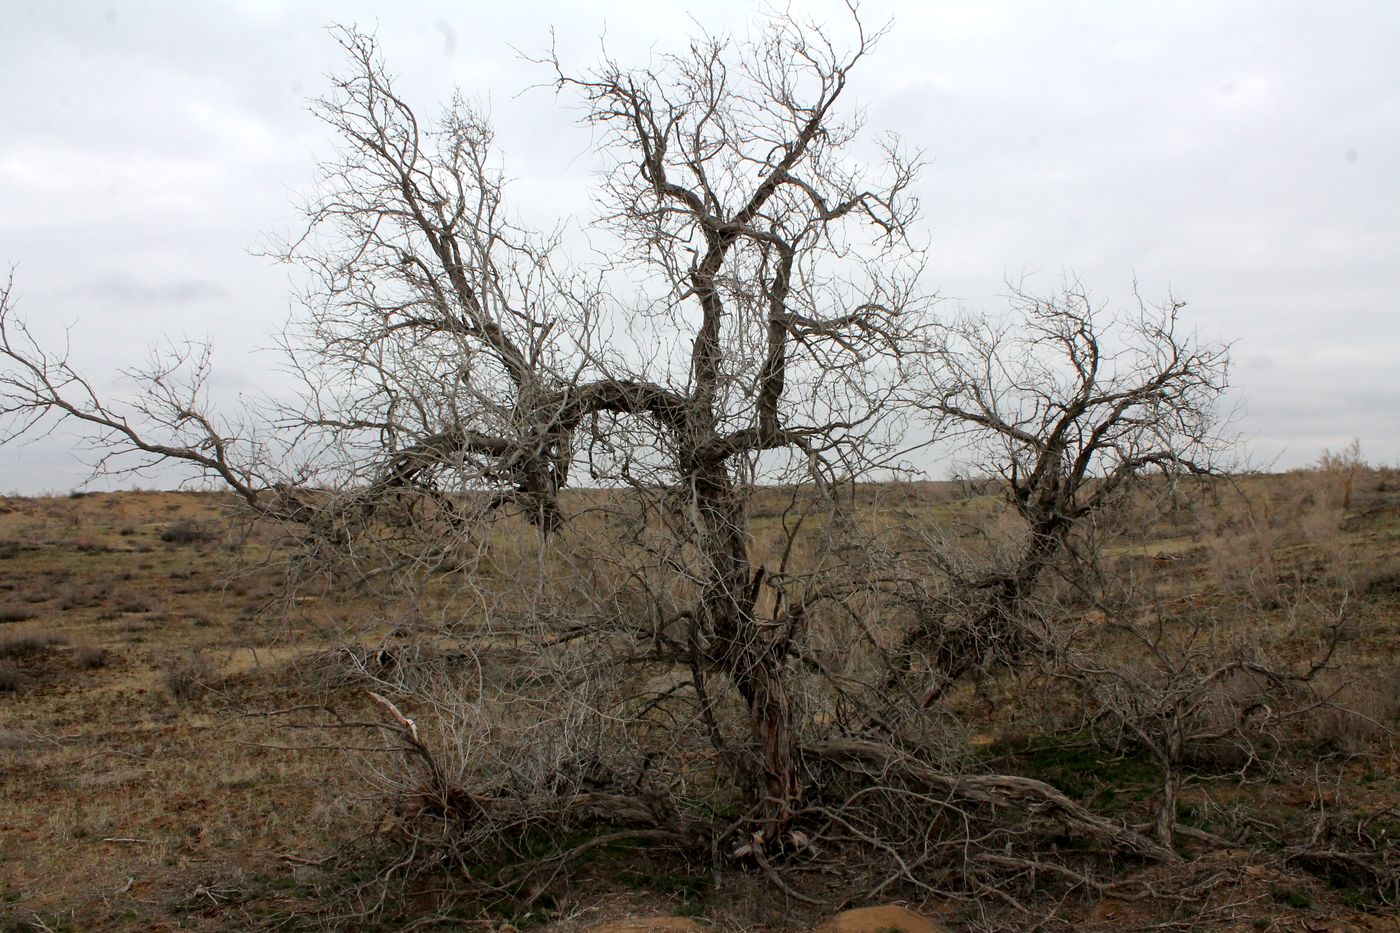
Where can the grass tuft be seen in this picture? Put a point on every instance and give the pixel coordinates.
(89, 656)
(187, 531)
(187, 676)
(28, 644)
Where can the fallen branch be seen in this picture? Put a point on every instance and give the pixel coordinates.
(314, 862)
(1036, 797)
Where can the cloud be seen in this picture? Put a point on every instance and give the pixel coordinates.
(1240, 154)
(124, 288)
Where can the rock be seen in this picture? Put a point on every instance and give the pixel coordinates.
(887, 919)
(650, 925)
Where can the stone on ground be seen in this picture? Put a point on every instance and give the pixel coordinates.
(887, 919)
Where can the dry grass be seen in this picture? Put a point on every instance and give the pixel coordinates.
(107, 780)
(189, 675)
(89, 656)
(28, 644)
(1362, 715)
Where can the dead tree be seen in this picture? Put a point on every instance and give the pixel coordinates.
(756, 316)
(1069, 407)
(761, 292)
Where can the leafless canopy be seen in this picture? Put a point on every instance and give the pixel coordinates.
(1068, 406)
(1066, 402)
(756, 316)
(447, 351)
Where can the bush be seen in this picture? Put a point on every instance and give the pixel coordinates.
(15, 615)
(28, 645)
(1339, 471)
(187, 677)
(10, 679)
(89, 656)
(186, 531)
(1363, 711)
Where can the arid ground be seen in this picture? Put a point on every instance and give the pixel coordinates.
(150, 778)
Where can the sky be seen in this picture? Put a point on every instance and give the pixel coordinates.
(1244, 156)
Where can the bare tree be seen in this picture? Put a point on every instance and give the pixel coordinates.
(1185, 686)
(1069, 407)
(447, 351)
(756, 319)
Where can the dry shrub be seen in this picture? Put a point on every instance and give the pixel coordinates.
(188, 676)
(1363, 712)
(11, 740)
(10, 614)
(1268, 543)
(82, 595)
(28, 644)
(187, 531)
(89, 656)
(1338, 473)
(1243, 543)
(1380, 578)
(11, 680)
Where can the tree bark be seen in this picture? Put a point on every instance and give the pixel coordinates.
(742, 650)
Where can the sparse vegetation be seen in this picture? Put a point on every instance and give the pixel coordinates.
(306, 803)
(188, 675)
(556, 618)
(28, 644)
(88, 656)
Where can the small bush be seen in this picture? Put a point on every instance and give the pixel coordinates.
(186, 531)
(15, 615)
(11, 740)
(89, 656)
(10, 679)
(1339, 471)
(187, 677)
(28, 645)
(1379, 580)
(1364, 712)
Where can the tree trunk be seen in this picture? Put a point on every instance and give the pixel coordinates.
(741, 649)
(1171, 785)
(770, 716)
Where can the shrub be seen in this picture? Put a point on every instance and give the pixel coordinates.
(1339, 471)
(188, 676)
(186, 531)
(10, 679)
(1379, 579)
(15, 615)
(27, 645)
(89, 656)
(1363, 711)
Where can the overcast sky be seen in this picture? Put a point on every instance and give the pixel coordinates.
(1244, 155)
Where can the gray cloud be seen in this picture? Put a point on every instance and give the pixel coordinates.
(1240, 153)
(125, 289)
